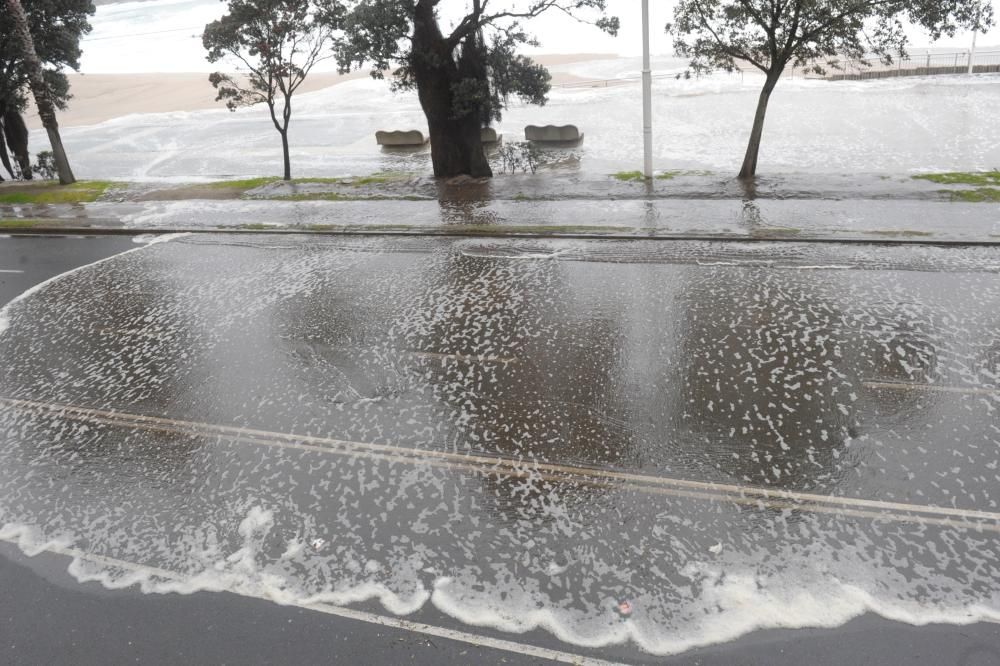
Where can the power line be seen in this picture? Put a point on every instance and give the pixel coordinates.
(142, 34)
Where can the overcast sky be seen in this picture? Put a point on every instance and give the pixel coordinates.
(558, 36)
(164, 35)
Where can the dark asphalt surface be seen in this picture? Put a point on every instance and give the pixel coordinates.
(47, 617)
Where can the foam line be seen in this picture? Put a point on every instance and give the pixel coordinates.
(338, 611)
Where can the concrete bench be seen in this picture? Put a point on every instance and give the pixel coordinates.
(489, 135)
(400, 138)
(553, 133)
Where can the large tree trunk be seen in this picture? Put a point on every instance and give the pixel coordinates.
(456, 144)
(4, 157)
(749, 169)
(46, 109)
(16, 134)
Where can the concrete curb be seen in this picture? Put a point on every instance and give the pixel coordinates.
(459, 233)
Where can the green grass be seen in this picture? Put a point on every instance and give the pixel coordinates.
(670, 175)
(979, 178)
(978, 195)
(245, 184)
(378, 178)
(361, 227)
(637, 177)
(487, 229)
(22, 223)
(901, 233)
(84, 191)
(337, 196)
(257, 226)
(629, 176)
(483, 229)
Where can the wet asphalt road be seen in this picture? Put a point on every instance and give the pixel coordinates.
(46, 616)
(361, 354)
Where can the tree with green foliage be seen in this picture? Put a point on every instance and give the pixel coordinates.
(273, 45)
(55, 28)
(465, 77)
(770, 35)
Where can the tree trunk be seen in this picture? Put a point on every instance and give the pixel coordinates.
(4, 157)
(16, 134)
(749, 169)
(286, 156)
(46, 109)
(456, 143)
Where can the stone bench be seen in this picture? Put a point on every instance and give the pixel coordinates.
(553, 133)
(400, 138)
(489, 135)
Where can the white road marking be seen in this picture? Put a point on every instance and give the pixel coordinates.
(7, 309)
(492, 464)
(936, 388)
(353, 614)
(9, 271)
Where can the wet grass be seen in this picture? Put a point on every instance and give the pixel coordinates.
(977, 178)
(257, 226)
(245, 184)
(51, 192)
(534, 229)
(782, 231)
(902, 233)
(378, 178)
(476, 229)
(365, 227)
(339, 196)
(978, 195)
(489, 229)
(23, 223)
(670, 175)
(629, 176)
(638, 177)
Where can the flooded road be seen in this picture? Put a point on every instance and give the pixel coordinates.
(665, 445)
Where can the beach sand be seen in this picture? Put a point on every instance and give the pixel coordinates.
(101, 97)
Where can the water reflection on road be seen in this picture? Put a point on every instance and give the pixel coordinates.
(523, 433)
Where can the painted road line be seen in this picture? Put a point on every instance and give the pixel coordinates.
(528, 471)
(9, 271)
(500, 466)
(347, 613)
(936, 388)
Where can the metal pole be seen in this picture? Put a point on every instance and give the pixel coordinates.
(972, 53)
(647, 97)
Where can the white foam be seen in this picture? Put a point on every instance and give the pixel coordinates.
(8, 310)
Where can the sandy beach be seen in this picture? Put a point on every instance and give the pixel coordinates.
(101, 97)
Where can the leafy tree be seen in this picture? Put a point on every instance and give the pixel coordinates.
(814, 34)
(55, 27)
(464, 78)
(274, 44)
(39, 89)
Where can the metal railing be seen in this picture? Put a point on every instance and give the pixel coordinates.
(915, 64)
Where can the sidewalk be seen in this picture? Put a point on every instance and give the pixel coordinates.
(684, 205)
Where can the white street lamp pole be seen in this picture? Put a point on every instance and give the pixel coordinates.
(972, 52)
(647, 97)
